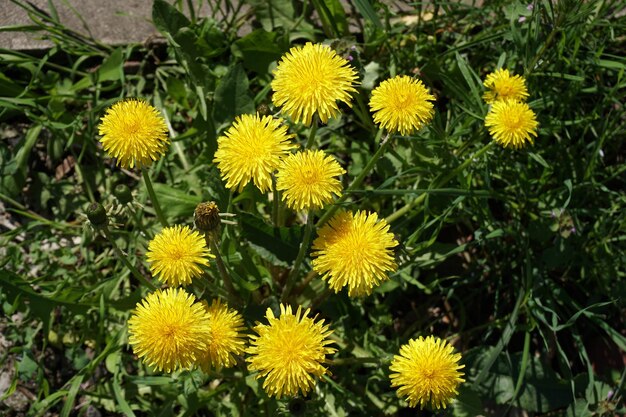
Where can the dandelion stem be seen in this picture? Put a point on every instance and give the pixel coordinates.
(312, 133)
(438, 183)
(221, 267)
(124, 259)
(153, 198)
(307, 280)
(356, 183)
(275, 203)
(301, 254)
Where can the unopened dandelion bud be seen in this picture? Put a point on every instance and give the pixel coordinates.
(97, 215)
(206, 217)
(263, 110)
(123, 194)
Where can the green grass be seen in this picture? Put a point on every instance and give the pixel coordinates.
(516, 257)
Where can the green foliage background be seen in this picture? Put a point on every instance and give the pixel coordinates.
(517, 257)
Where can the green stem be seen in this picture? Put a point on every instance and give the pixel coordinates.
(221, 267)
(301, 255)
(275, 203)
(125, 261)
(438, 183)
(312, 133)
(356, 183)
(307, 280)
(153, 198)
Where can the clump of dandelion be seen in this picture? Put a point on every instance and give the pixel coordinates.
(168, 330)
(310, 80)
(289, 352)
(251, 150)
(511, 123)
(176, 255)
(309, 179)
(402, 104)
(134, 133)
(502, 85)
(427, 371)
(354, 250)
(226, 339)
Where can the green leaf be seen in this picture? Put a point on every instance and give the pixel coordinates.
(372, 72)
(281, 13)
(232, 97)
(541, 390)
(278, 244)
(113, 361)
(175, 202)
(15, 172)
(176, 89)
(467, 403)
(333, 17)
(258, 49)
(150, 380)
(71, 395)
(112, 68)
(471, 78)
(40, 305)
(367, 11)
(121, 400)
(167, 18)
(8, 87)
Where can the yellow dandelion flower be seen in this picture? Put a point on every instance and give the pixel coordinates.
(308, 179)
(176, 254)
(134, 132)
(169, 330)
(427, 371)
(310, 79)
(226, 339)
(251, 151)
(289, 352)
(354, 250)
(502, 85)
(402, 104)
(511, 123)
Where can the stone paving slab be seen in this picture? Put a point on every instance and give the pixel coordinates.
(115, 22)
(109, 21)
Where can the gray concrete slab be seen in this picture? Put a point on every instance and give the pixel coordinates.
(109, 21)
(117, 22)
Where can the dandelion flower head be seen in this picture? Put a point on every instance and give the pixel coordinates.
(176, 254)
(354, 250)
(289, 352)
(168, 330)
(402, 104)
(226, 338)
(511, 123)
(501, 85)
(427, 371)
(251, 151)
(311, 79)
(134, 132)
(309, 179)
